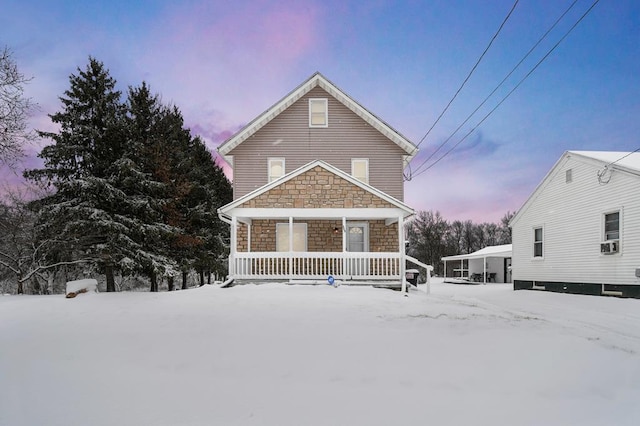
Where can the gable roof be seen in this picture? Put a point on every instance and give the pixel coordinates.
(628, 162)
(318, 80)
(331, 169)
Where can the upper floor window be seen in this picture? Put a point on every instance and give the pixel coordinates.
(612, 226)
(538, 236)
(276, 168)
(360, 169)
(318, 113)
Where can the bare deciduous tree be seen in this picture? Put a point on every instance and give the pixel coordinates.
(22, 253)
(14, 110)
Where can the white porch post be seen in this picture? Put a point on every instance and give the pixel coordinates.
(402, 253)
(234, 246)
(445, 270)
(344, 246)
(290, 247)
(248, 237)
(484, 269)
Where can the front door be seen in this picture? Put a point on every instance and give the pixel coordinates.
(358, 242)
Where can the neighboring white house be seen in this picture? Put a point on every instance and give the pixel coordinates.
(579, 232)
(490, 264)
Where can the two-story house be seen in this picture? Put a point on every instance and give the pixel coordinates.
(317, 191)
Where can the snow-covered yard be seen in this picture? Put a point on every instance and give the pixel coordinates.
(318, 355)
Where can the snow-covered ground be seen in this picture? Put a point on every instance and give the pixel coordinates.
(318, 355)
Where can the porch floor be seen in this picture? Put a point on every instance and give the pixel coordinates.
(395, 285)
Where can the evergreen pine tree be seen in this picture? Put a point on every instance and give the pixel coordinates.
(82, 213)
(210, 189)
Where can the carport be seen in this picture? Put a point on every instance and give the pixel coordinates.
(492, 263)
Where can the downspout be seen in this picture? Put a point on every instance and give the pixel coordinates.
(403, 280)
(227, 219)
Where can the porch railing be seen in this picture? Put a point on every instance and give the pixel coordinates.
(316, 265)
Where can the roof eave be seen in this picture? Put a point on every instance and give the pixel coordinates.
(315, 80)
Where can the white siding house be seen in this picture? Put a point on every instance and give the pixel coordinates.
(579, 232)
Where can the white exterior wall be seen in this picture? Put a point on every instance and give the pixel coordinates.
(571, 215)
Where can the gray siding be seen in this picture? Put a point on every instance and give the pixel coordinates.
(288, 135)
(572, 217)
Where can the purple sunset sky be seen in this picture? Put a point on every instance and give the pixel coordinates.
(222, 63)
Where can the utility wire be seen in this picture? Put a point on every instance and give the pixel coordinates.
(622, 158)
(417, 169)
(602, 173)
(512, 90)
(470, 72)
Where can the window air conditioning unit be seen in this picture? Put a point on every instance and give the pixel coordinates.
(609, 247)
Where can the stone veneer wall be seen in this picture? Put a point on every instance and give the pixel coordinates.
(320, 236)
(317, 188)
(242, 237)
(383, 238)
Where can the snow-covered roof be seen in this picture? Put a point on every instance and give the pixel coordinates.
(620, 159)
(503, 250)
(625, 161)
(315, 80)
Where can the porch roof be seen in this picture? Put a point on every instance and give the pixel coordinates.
(397, 207)
(504, 250)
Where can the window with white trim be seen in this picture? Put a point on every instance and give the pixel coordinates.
(318, 113)
(360, 169)
(538, 236)
(299, 237)
(612, 226)
(276, 168)
(568, 175)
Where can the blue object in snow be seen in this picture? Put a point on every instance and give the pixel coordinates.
(330, 279)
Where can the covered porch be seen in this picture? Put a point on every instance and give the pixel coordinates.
(313, 244)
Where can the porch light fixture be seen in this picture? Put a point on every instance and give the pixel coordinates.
(336, 230)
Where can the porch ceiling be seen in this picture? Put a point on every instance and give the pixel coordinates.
(359, 213)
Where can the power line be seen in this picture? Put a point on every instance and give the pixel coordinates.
(602, 174)
(496, 88)
(470, 72)
(512, 90)
(622, 158)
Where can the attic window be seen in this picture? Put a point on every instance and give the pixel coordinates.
(318, 113)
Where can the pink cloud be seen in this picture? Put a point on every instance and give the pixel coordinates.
(235, 61)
